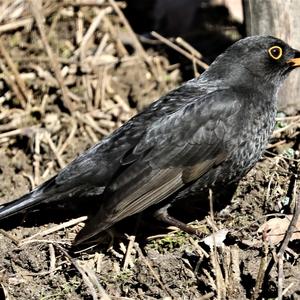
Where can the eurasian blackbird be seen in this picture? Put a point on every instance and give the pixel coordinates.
(209, 131)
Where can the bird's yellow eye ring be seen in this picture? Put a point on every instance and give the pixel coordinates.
(275, 52)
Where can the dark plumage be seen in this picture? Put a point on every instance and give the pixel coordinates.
(209, 131)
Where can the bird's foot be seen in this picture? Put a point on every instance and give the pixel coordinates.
(163, 215)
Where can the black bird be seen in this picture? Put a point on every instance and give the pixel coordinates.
(209, 131)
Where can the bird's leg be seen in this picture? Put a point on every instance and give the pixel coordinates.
(163, 215)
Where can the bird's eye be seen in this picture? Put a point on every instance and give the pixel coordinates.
(275, 52)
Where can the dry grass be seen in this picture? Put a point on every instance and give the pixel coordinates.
(60, 84)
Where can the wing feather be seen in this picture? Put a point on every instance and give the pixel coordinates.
(174, 151)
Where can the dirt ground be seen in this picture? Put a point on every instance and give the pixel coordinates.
(46, 119)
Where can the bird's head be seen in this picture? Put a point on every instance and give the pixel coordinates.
(263, 58)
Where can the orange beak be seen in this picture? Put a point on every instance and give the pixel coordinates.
(294, 62)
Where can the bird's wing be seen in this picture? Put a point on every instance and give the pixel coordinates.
(175, 151)
(127, 144)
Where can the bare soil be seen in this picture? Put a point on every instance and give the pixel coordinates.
(38, 136)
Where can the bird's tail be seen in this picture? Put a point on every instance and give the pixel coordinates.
(31, 199)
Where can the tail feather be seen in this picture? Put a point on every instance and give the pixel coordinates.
(29, 200)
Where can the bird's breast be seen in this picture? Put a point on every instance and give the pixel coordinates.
(250, 141)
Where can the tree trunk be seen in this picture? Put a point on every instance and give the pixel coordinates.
(279, 18)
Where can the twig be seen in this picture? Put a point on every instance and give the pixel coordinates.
(128, 251)
(220, 284)
(79, 27)
(100, 89)
(91, 274)
(277, 131)
(95, 23)
(19, 131)
(55, 151)
(235, 267)
(135, 40)
(261, 271)
(79, 3)
(52, 259)
(276, 144)
(288, 118)
(36, 11)
(31, 180)
(102, 44)
(83, 2)
(180, 50)
(207, 296)
(69, 138)
(199, 249)
(88, 276)
(15, 25)
(88, 92)
(88, 120)
(85, 277)
(98, 259)
(12, 66)
(280, 277)
(13, 239)
(37, 158)
(31, 241)
(148, 264)
(291, 229)
(195, 53)
(56, 228)
(91, 134)
(188, 47)
(14, 86)
(288, 288)
(50, 166)
(119, 45)
(283, 247)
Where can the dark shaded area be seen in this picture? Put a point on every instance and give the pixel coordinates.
(247, 281)
(208, 28)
